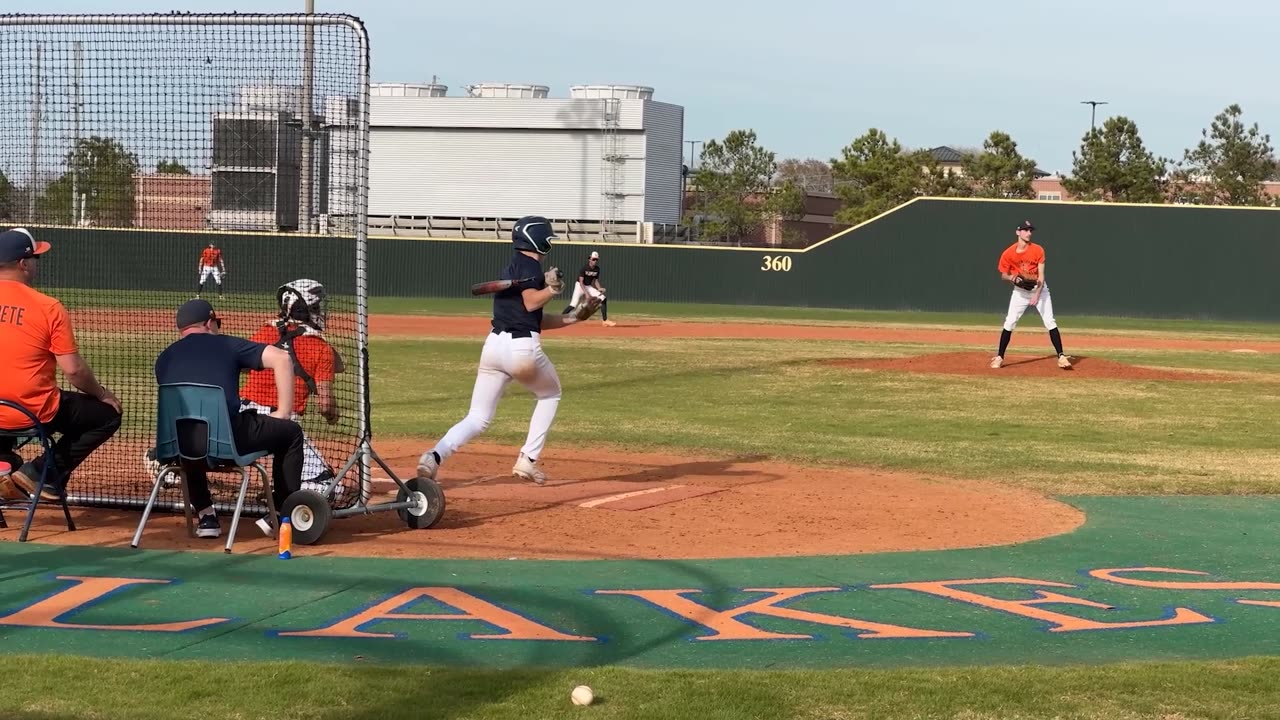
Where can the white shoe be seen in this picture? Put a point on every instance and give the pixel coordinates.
(608, 323)
(527, 469)
(1063, 362)
(996, 362)
(322, 488)
(427, 466)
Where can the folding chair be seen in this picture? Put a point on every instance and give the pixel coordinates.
(22, 437)
(193, 424)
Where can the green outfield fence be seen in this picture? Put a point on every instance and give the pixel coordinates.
(929, 254)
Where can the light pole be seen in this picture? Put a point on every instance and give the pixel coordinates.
(692, 156)
(1093, 112)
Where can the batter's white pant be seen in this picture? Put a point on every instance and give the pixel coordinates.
(577, 293)
(313, 464)
(502, 360)
(1020, 300)
(206, 271)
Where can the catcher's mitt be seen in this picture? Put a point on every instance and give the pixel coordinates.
(586, 308)
(1026, 283)
(555, 280)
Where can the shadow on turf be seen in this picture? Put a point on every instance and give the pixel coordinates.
(439, 683)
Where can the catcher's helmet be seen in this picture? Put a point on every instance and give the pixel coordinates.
(303, 301)
(533, 232)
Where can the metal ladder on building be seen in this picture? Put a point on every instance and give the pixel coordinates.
(612, 169)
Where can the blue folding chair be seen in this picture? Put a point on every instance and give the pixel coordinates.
(35, 431)
(193, 424)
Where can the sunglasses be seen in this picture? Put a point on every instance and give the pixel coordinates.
(217, 321)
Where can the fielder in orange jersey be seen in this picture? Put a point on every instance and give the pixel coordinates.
(211, 265)
(299, 329)
(1022, 264)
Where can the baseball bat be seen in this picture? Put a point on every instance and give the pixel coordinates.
(492, 286)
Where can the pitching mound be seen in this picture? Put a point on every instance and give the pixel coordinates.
(600, 504)
(979, 363)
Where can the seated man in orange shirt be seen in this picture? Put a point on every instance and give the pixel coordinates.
(299, 330)
(36, 339)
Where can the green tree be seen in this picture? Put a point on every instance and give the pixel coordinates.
(172, 167)
(1000, 171)
(811, 174)
(1114, 166)
(736, 193)
(102, 171)
(875, 174)
(1229, 164)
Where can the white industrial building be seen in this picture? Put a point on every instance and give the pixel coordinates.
(607, 158)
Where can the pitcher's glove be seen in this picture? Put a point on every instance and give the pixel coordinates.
(1025, 282)
(586, 308)
(555, 280)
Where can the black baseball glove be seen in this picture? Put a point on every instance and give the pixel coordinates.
(1025, 282)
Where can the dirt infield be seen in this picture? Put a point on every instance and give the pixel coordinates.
(416, 326)
(604, 504)
(601, 504)
(978, 363)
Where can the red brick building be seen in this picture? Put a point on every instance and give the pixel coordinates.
(171, 202)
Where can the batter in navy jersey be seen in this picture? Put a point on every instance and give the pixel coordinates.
(513, 351)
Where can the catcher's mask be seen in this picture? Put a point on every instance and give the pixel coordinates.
(304, 301)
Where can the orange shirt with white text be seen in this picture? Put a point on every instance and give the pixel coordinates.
(34, 329)
(210, 257)
(1026, 262)
(314, 354)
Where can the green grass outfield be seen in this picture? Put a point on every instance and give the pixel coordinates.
(86, 298)
(721, 397)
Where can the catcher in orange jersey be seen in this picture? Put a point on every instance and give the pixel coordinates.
(299, 329)
(1022, 264)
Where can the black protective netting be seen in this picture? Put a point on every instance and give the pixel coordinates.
(133, 146)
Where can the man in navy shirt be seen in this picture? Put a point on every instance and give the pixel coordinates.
(203, 355)
(513, 351)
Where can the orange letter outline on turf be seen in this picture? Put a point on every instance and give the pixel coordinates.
(86, 591)
(1112, 575)
(1058, 622)
(725, 625)
(516, 626)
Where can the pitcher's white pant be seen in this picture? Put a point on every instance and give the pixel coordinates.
(504, 359)
(577, 293)
(1020, 300)
(206, 271)
(313, 464)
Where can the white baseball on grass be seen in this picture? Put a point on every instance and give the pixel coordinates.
(582, 695)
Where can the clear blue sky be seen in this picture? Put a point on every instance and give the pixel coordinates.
(811, 76)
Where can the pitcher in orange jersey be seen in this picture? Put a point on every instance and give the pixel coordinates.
(1022, 264)
(299, 329)
(211, 265)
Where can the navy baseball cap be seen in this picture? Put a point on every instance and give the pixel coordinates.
(196, 312)
(1026, 225)
(17, 244)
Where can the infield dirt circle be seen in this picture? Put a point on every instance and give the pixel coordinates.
(602, 504)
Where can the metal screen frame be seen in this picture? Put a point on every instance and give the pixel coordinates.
(363, 454)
